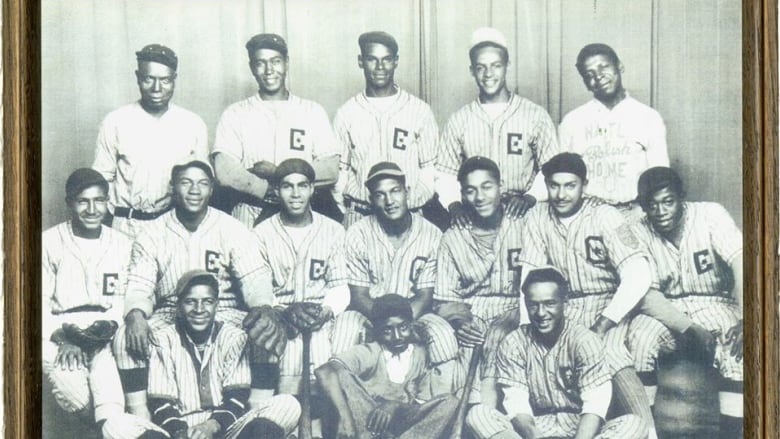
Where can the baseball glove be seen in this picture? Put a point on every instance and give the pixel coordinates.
(301, 316)
(93, 337)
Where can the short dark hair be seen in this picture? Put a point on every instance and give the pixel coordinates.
(502, 50)
(546, 274)
(656, 179)
(477, 163)
(390, 305)
(594, 49)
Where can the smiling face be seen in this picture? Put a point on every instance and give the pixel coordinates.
(88, 209)
(378, 64)
(269, 68)
(665, 211)
(394, 333)
(295, 191)
(545, 305)
(198, 307)
(156, 83)
(565, 192)
(489, 71)
(389, 199)
(192, 189)
(481, 191)
(602, 77)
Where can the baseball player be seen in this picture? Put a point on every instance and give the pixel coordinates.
(697, 251)
(376, 387)
(553, 375)
(385, 123)
(83, 267)
(138, 143)
(592, 244)
(510, 130)
(617, 136)
(193, 235)
(256, 134)
(199, 373)
(394, 251)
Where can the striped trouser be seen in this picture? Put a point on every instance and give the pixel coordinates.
(127, 426)
(584, 310)
(487, 422)
(282, 410)
(647, 337)
(247, 214)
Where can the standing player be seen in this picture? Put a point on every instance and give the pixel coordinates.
(192, 235)
(83, 269)
(617, 136)
(594, 247)
(199, 373)
(510, 130)
(256, 134)
(384, 123)
(697, 250)
(553, 375)
(394, 251)
(138, 143)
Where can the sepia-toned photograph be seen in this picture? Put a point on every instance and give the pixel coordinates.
(392, 219)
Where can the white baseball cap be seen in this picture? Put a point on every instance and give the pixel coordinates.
(488, 35)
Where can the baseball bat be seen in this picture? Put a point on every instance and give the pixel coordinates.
(463, 405)
(304, 424)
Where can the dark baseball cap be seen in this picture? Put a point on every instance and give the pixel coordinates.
(384, 170)
(158, 53)
(267, 41)
(293, 166)
(196, 277)
(378, 37)
(83, 178)
(568, 162)
(192, 163)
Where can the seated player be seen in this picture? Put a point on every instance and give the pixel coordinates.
(478, 267)
(553, 375)
(192, 235)
(83, 268)
(697, 251)
(375, 387)
(199, 373)
(302, 252)
(394, 251)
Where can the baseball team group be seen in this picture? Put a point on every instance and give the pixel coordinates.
(378, 277)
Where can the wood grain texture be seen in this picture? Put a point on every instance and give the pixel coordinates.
(21, 162)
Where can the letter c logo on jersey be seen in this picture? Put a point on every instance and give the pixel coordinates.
(297, 138)
(417, 265)
(109, 283)
(514, 143)
(399, 139)
(513, 258)
(317, 269)
(595, 250)
(213, 261)
(702, 261)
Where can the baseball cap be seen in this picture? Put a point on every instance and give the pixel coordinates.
(293, 166)
(196, 277)
(267, 41)
(655, 179)
(488, 36)
(158, 53)
(192, 163)
(477, 163)
(567, 162)
(81, 179)
(378, 37)
(384, 170)
(390, 305)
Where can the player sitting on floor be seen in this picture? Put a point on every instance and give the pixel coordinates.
(375, 387)
(697, 251)
(199, 374)
(553, 375)
(83, 268)
(395, 251)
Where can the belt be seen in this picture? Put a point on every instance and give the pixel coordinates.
(84, 308)
(555, 411)
(131, 213)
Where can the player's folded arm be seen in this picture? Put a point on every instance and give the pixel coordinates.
(234, 401)
(165, 413)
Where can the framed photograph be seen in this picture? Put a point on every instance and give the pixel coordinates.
(709, 69)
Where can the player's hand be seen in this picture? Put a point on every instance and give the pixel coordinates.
(303, 315)
(70, 357)
(326, 314)
(471, 334)
(459, 216)
(602, 325)
(266, 329)
(735, 338)
(138, 335)
(263, 169)
(379, 418)
(517, 205)
(204, 430)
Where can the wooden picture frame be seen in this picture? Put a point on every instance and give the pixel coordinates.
(22, 219)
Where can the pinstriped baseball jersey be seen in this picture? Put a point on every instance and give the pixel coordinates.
(555, 377)
(481, 277)
(302, 274)
(587, 252)
(374, 263)
(195, 381)
(520, 140)
(166, 250)
(82, 272)
(406, 134)
(700, 266)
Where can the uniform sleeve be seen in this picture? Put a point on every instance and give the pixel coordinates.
(359, 359)
(142, 276)
(619, 238)
(545, 139)
(426, 278)
(48, 283)
(163, 392)
(106, 150)
(201, 141)
(429, 140)
(227, 138)
(356, 259)
(325, 144)
(450, 148)
(726, 237)
(534, 252)
(337, 270)
(589, 361)
(257, 286)
(511, 362)
(447, 274)
(657, 153)
(342, 138)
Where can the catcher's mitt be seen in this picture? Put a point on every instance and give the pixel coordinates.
(93, 337)
(301, 316)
